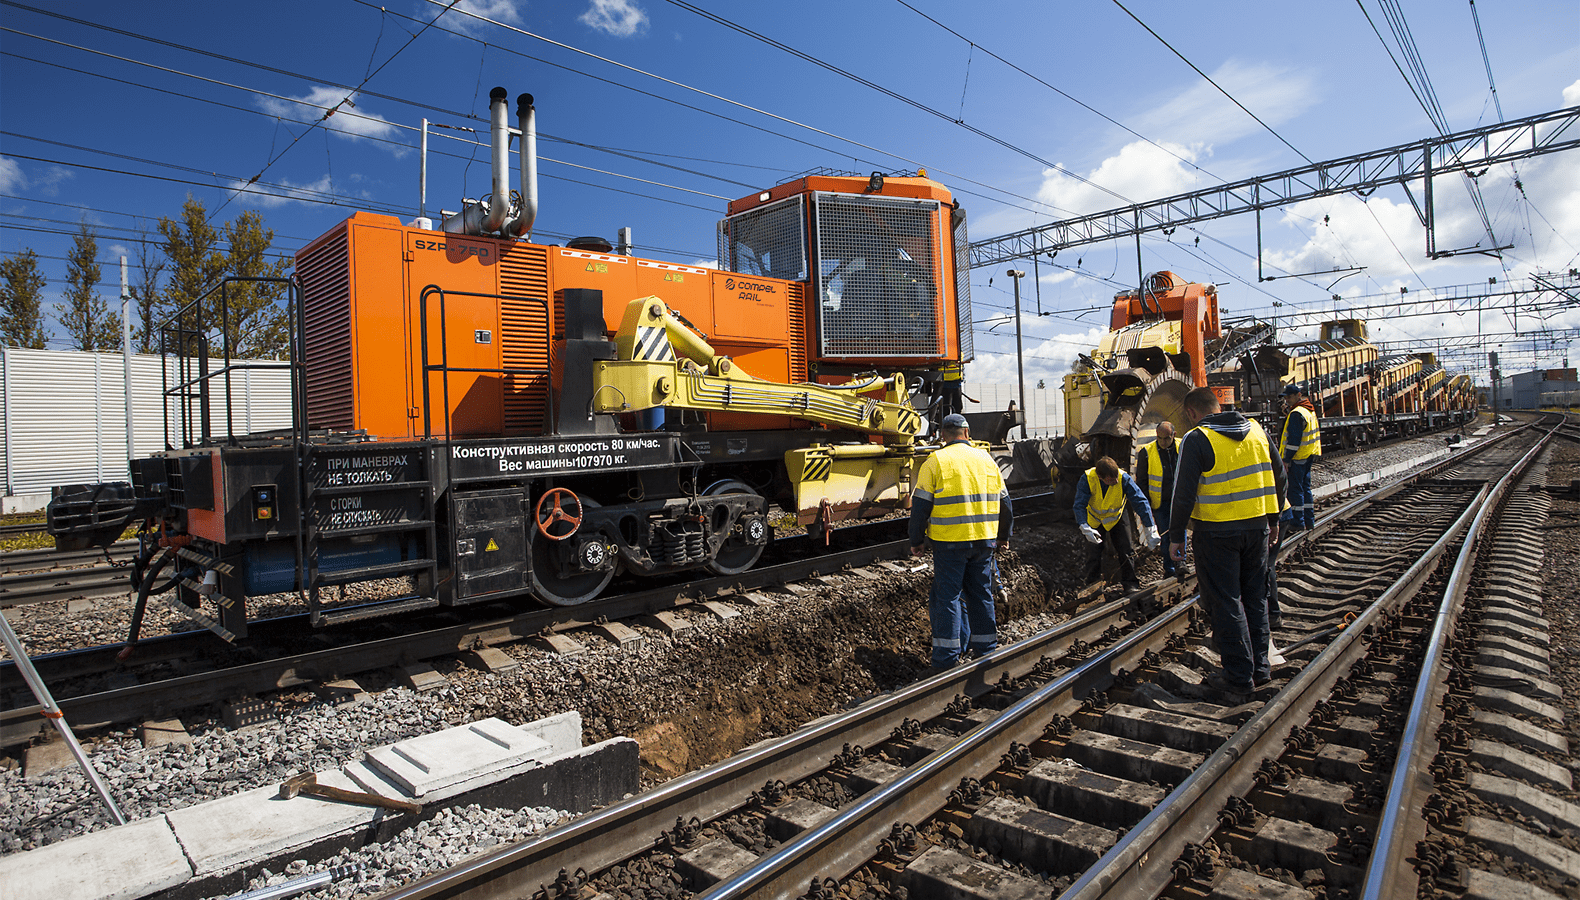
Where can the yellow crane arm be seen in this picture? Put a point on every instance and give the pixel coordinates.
(664, 363)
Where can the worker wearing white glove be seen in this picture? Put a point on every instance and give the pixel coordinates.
(1101, 499)
(1153, 538)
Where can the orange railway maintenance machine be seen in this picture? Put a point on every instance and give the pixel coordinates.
(478, 416)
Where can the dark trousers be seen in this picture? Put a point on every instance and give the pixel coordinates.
(1231, 570)
(1160, 518)
(1275, 616)
(962, 571)
(1302, 512)
(1118, 538)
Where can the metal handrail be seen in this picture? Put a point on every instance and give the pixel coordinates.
(174, 330)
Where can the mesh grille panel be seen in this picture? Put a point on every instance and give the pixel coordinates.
(524, 336)
(963, 287)
(325, 275)
(769, 240)
(877, 277)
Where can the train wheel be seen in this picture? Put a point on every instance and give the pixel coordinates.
(739, 551)
(570, 590)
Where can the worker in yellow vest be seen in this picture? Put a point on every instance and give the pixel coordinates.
(950, 386)
(962, 509)
(1100, 501)
(1228, 491)
(1300, 447)
(1155, 465)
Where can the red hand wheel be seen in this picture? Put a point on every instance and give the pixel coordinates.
(550, 512)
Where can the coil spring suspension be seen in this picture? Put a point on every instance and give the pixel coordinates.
(678, 543)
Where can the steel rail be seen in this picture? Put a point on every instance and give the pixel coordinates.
(50, 558)
(289, 670)
(1132, 868)
(29, 588)
(617, 832)
(1412, 781)
(845, 842)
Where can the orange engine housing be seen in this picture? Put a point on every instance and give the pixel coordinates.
(414, 333)
(381, 298)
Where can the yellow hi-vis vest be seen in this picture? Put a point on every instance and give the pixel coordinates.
(1240, 485)
(964, 484)
(1310, 441)
(952, 371)
(1154, 485)
(1107, 504)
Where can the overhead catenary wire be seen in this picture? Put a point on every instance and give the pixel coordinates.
(276, 157)
(415, 104)
(736, 103)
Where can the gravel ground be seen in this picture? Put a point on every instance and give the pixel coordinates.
(1561, 594)
(1329, 469)
(689, 700)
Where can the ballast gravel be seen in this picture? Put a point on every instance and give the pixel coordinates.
(689, 700)
(449, 838)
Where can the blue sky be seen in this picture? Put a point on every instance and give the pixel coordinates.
(653, 116)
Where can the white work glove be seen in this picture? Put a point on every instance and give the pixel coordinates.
(1153, 538)
(1091, 534)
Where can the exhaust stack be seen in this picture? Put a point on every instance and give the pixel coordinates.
(527, 121)
(499, 204)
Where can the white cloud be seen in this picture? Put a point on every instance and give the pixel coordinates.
(1539, 216)
(1047, 359)
(11, 177)
(1201, 113)
(1572, 95)
(347, 120)
(706, 263)
(46, 183)
(621, 18)
(507, 11)
(1140, 171)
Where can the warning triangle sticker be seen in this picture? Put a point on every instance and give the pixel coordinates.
(491, 545)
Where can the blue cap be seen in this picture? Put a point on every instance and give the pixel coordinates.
(1292, 389)
(956, 420)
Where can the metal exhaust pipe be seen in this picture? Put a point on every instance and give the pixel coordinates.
(527, 121)
(499, 206)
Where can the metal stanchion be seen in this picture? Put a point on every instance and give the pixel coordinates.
(51, 711)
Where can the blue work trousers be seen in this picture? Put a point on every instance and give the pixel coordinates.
(1302, 512)
(962, 575)
(1231, 570)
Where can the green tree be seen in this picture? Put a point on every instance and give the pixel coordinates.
(249, 318)
(145, 293)
(192, 247)
(21, 302)
(84, 314)
(259, 325)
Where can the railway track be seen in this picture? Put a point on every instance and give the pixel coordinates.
(1087, 762)
(95, 687)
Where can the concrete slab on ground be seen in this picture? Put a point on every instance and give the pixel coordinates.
(122, 863)
(234, 830)
(447, 761)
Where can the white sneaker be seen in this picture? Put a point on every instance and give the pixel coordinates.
(1275, 657)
